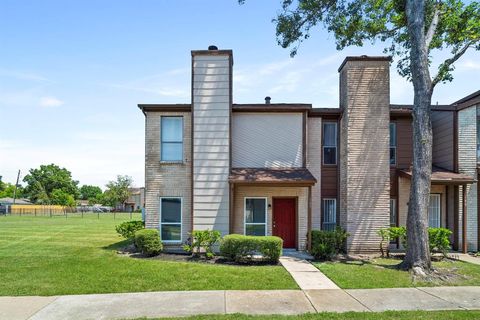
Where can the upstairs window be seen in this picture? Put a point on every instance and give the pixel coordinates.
(329, 143)
(171, 139)
(393, 143)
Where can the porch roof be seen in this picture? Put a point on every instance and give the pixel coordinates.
(281, 176)
(442, 176)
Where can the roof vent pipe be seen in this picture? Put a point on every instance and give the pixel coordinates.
(212, 48)
(267, 100)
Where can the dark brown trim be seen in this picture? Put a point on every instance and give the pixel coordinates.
(274, 107)
(212, 52)
(231, 215)
(166, 107)
(192, 144)
(275, 184)
(322, 112)
(309, 220)
(464, 218)
(468, 101)
(456, 215)
(304, 139)
(455, 142)
(364, 58)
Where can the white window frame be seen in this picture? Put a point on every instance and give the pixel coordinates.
(325, 146)
(324, 200)
(395, 146)
(169, 223)
(245, 223)
(162, 142)
(439, 199)
(393, 204)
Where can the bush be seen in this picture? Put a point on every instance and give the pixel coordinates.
(127, 229)
(439, 240)
(242, 248)
(327, 244)
(148, 241)
(391, 234)
(202, 241)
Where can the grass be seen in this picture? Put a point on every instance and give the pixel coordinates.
(389, 315)
(56, 256)
(382, 273)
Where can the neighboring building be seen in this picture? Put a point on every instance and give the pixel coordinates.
(285, 169)
(9, 201)
(135, 201)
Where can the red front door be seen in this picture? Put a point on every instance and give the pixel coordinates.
(285, 220)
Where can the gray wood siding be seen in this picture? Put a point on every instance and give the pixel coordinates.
(467, 163)
(267, 140)
(211, 140)
(443, 139)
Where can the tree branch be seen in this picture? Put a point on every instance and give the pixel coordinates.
(444, 67)
(433, 27)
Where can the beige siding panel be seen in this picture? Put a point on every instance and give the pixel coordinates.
(211, 156)
(270, 192)
(443, 139)
(314, 162)
(364, 153)
(467, 163)
(267, 140)
(167, 180)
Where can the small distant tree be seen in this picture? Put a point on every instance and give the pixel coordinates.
(117, 191)
(41, 183)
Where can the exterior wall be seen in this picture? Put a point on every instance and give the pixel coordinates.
(314, 163)
(270, 192)
(268, 140)
(403, 198)
(364, 156)
(167, 179)
(467, 163)
(443, 139)
(211, 105)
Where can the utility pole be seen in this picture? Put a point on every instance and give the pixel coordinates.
(16, 186)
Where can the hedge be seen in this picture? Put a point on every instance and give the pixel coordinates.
(240, 248)
(327, 244)
(148, 241)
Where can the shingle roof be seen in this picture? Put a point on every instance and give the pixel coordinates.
(299, 176)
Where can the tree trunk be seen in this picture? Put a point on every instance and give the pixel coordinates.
(418, 253)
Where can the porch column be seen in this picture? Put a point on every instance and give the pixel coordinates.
(464, 218)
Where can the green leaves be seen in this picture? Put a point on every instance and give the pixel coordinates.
(456, 28)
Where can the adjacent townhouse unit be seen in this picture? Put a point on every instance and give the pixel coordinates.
(285, 169)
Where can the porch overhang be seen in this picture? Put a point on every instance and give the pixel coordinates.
(292, 177)
(442, 176)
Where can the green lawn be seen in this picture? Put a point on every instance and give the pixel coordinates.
(55, 256)
(390, 315)
(381, 273)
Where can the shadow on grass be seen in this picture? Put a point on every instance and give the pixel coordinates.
(119, 245)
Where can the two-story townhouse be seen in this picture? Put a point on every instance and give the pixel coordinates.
(286, 169)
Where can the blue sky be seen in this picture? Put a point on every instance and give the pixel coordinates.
(72, 73)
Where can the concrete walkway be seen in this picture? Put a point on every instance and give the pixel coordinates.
(187, 303)
(306, 275)
(467, 258)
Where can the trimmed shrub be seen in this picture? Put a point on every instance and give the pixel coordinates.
(127, 229)
(148, 241)
(327, 244)
(439, 240)
(240, 248)
(202, 242)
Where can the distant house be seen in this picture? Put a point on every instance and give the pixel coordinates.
(9, 201)
(136, 200)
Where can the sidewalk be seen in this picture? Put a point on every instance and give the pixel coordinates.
(187, 303)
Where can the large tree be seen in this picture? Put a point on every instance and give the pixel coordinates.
(43, 181)
(413, 31)
(88, 192)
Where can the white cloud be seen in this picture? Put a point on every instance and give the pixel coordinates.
(50, 102)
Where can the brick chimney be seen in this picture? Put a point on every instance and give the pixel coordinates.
(211, 118)
(364, 150)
